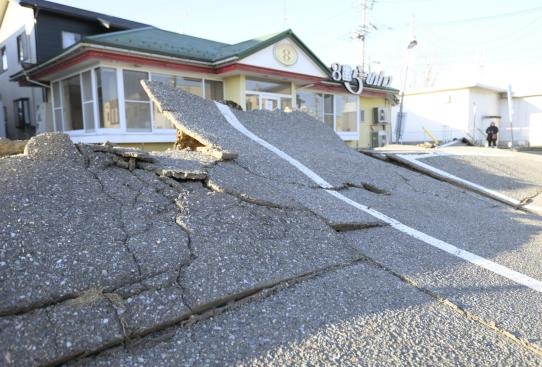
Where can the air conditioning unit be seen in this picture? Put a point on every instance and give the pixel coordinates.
(379, 138)
(380, 115)
(382, 138)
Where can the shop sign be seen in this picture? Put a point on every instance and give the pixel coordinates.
(354, 79)
(285, 53)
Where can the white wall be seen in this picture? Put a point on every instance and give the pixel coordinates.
(444, 114)
(526, 121)
(447, 114)
(487, 104)
(17, 20)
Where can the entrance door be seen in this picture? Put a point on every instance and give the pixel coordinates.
(270, 103)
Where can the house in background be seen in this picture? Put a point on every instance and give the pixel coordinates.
(91, 89)
(448, 113)
(31, 33)
(525, 127)
(466, 111)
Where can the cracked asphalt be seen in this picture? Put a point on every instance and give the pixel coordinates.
(114, 256)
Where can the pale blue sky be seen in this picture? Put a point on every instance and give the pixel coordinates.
(493, 42)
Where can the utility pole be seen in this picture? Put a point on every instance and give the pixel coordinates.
(400, 118)
(510, 114)
(363, 33)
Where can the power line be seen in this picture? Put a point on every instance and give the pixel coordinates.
(483, 18)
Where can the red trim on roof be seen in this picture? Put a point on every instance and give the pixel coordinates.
(111, 56)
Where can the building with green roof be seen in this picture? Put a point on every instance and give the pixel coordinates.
(92, 87)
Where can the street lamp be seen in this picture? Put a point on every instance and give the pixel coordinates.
(399, 127)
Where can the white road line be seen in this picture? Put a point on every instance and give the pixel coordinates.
(435, 242)
(233, 121)
(414, 159)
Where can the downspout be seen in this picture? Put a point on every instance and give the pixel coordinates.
(43, 85)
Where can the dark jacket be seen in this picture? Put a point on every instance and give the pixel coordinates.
(492, 132)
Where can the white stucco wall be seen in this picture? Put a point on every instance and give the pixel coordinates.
(526, 121)
(443, 113)
(447, 114)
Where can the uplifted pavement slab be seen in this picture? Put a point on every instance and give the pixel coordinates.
(96, 251)
(232, 178)
(203, 121)
(180, 164)
(355, 315)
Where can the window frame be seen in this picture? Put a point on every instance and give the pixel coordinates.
(92, 131)
(347, 135)
(325, 111)
(135, 102)
(23, 54)
(68, 43)
(26, 113)
(3, 58)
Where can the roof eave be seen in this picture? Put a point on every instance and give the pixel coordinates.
(82, 47)
(80, 13)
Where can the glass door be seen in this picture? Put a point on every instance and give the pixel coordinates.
(270, 103)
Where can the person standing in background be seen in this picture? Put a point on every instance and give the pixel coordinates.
(492, 131)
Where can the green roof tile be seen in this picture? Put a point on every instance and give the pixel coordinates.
(157, 41)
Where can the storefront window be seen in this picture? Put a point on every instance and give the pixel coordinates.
(108, 100)
(328, 110)
(88, 101)
(71, 100)
(310, 103)
(267, 86)
(214, 90)
(346, 115)
(268, 95)
(190, 85)
(339, 112)
(79, 102)
(57, 107)
(286, 104)
(137, 105)
(252, 102)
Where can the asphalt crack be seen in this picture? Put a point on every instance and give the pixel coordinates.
(219, 306)
(462, 311)
(529, 199)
